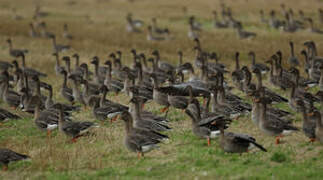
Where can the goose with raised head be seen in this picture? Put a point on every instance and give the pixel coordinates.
(59, 47)
(262, 67)
(10, 97)
(242, 34)
(15, 52)
(112, 84)
(314, 29)
(29, 71)
(66, 33)
(292, 59)
(58, 67)
(65, 91)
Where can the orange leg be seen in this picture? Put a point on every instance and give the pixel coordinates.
(114, 118)
(204, 101)
(312, 140)
(139, 155)
(208, 142)
(237, 118)
(277, 140)
(74, 140)
(142, 106)
(5, 167)
(13, 108)
(164, 109)
(48, 133)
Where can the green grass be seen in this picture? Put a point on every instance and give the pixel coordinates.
(102, 155)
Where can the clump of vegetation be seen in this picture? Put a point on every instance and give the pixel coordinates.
(279, 157)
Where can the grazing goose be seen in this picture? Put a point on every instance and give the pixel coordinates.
(272, 127)
(292, 59)
(59, 47)
(244, 34)
(140, 140)
(66, 34)
(6, 115)
(73, 128)
(65, 91)
(7, 156)
(237, 143)
(312, 28)
(262, 67)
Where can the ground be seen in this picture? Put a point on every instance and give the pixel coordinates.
(99, 29)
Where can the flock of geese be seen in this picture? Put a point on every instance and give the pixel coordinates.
(149, 78)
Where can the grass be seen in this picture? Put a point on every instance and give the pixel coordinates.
(103, 156)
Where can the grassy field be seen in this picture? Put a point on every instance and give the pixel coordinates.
(99, 29)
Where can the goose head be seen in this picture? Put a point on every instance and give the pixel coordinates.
(95, 60)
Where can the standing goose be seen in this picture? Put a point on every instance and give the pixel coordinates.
(15, 52)
(72, 128)
(312, 28)
(66, 34)
(244, 34)
(237, 74)
(292, 59)
(206, 128)
(262, 67)
(58, 67)
(151, 37)
(29, 71)
(159, 97)
(99, 72)
(140, 140)
(272, 127)
(112, 84)
(77, 95)
(319, 126)
(12, 98)
(217, 23)
(7, 156)
(32, 32)
(309, 123)
(66, 92)
(43, 30)
(59, 47)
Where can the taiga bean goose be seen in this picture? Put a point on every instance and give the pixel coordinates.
(72, 128)
(309, 123)
(66, 92)
(29, 71)
(58, 67)
(7, 156)
(262, 67)
(15, 52)
(292, 59)
(112, 84)
(140, 140)
(10, 97)
(59, 47)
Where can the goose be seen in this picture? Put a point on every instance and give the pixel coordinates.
(99, 71)
(270, 126)
(7, 156)
(73, 128)
(6, 115)
(309, 123)
(237, 74)
(112, 84)
(67, 61)
(10, 97)
(77, 95)
(312, 28)
(155, 27)
(217, 23)
(279, 80)
(32, 31)
(4, 65)
(145, 122)
(262, 17)
(292, 59)
(151, 37)
(274, 22)
(319, 127)
(15, 52)
(242, 34)
(43, 31)
(196, 26)
(207, 128)
(159, 97)
(16, 16)
(59, 47)
(66, 34)
(133, 25)
(139, 140)
(237, 143)
(65, 91)
(162, 64)
(262, 67)
(192, 34)
(29, 71)
(58, 67)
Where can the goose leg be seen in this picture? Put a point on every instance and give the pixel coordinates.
(139, 155)
(312, 140)
(164, 109)
(277, 140)
(5, 167)
(74, 140)
(208, 141)
(48, 133)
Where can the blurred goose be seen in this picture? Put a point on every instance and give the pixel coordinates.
(32, 31)
(140, 140)
(262, 67)
(270, 126)
(66, 34)
(59, 47)
(43, 31)
(196, 26)
(15, 52)
(312, 28)
(192, 34)
(319, 127)
(6, 115)
(58, 67)
(292, 59)
(73, 128)
(65, 91)
(7, 156)
(309, 123)
(237, 143)
(217, 23)
(155, 27)
(133, 25)
(244, 34)
(273, 21)
(151, 37)
(30, 71)
(159, 97)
